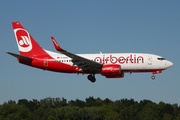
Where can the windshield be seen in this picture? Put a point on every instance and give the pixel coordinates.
(161, 58)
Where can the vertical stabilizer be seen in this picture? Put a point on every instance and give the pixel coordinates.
(26, 44)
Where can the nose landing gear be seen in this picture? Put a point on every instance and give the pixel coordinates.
(91, 77)
(153, 77)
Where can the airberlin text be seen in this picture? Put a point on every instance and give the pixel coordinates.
(120, 59)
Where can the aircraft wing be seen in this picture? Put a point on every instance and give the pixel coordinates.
(81, 62)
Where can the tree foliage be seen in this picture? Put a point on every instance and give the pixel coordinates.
(90, 109)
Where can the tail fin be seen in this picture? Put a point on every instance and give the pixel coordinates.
(26, 44)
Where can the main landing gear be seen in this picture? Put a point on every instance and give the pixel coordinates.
(153, 77)
(91, 77)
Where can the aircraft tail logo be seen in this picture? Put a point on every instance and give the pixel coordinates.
(23, 40)
(27, 45)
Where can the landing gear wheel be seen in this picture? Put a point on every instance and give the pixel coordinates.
(91, 78)
(153, 77)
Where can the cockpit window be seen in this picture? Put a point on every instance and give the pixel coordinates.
(161, 58)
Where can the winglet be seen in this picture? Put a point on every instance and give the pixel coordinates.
(56, 45)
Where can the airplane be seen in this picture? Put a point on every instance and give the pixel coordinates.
(110, 65)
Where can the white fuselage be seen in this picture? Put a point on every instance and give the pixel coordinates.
(128, 61)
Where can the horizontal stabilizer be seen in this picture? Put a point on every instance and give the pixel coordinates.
(19, 56)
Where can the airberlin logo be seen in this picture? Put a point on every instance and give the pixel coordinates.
(132, 58)
(23, 40)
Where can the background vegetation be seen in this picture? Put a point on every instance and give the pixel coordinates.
(90, 109)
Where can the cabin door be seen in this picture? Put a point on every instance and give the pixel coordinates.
(149, 60)
(45, 62)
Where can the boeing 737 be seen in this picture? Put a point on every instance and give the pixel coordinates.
(110, 65)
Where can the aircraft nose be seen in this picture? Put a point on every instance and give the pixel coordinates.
(169, 64)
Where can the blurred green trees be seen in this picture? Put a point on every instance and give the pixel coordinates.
(90, 109)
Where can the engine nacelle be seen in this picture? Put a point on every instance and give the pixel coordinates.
(115, 76)
(111, 69)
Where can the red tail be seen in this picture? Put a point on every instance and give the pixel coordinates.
(27, 45)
